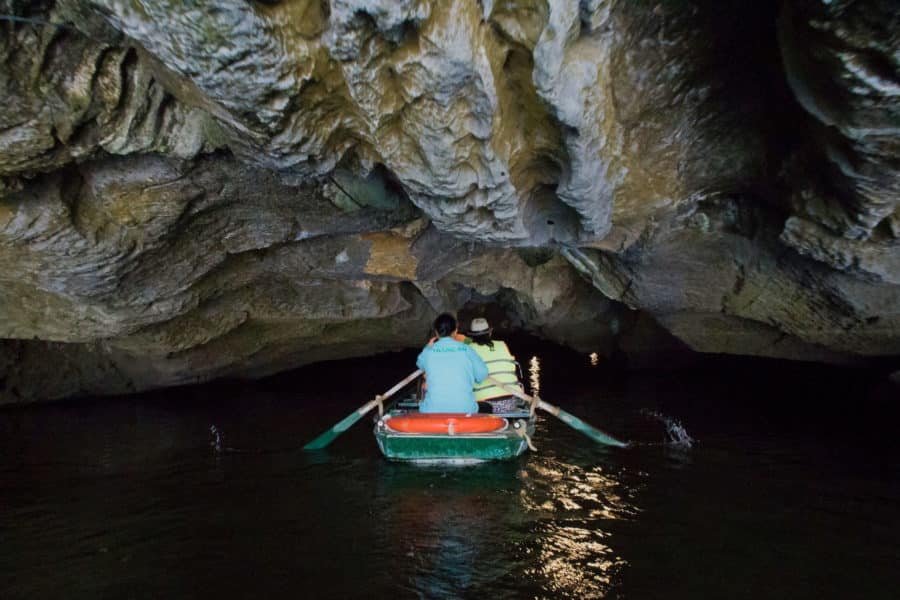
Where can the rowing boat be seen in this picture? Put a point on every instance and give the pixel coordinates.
(404, 434)
(508, 437)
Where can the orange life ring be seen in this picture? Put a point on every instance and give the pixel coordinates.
(447, 423)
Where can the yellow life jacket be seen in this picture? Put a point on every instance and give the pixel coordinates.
(501, 366)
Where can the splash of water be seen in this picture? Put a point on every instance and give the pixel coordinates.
(217, 443)
(216, 439)
(676, 434)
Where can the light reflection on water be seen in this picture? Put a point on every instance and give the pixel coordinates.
(211, 496)
(574, 562)
(534, 375)
(573, 506)
(541, 523)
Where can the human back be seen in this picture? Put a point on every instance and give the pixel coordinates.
(501, 363)
(452, 369)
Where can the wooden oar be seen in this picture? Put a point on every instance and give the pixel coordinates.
(567, 418)
(345, 423)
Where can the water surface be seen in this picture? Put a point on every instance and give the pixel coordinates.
(790, 490)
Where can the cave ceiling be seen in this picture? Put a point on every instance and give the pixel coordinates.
(194, 190)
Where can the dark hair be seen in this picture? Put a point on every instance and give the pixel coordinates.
(483, 338)
(445, 324)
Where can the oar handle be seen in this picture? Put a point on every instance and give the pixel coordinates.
(553, 410)
(511, 390)
(362, 410)
(398, 387)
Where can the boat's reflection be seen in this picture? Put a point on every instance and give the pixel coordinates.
(448, 525)
(538, 524)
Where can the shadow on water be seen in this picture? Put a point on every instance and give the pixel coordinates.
(790, 489)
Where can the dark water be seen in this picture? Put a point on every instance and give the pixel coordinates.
(790, 490)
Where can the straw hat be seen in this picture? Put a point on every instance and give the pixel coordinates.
(479, 326)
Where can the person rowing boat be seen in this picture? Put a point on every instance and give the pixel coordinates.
(452, 370)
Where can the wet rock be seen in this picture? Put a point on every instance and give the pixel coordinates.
(69, 97)
(879, 260)
(724, 290)
(194, 190)
(841, 62)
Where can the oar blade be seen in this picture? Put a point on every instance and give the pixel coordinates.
(589, 430)
(336, 430)
(348, 421)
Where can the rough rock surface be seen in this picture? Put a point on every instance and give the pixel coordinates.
(191, 190)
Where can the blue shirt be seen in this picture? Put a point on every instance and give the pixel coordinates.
(451, 370)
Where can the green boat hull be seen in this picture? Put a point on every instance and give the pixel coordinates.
(455, 448)
(458, 448)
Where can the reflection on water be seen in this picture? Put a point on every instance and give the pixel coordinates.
(207, 494)
(573, 506)
(450, 525)
(571, 548)
(561, 486)
(534, 375)
(575, 562)
(539, 524)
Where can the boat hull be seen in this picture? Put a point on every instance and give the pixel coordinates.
(455, 448)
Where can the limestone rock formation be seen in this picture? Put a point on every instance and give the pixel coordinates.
(192, 190)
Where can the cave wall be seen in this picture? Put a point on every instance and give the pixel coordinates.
(233, 188)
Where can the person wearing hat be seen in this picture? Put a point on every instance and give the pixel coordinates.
(501, 366)
(452, 369)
